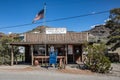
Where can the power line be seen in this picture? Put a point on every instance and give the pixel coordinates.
(84, 15)
(59, 19)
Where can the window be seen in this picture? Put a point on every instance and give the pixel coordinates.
(39, 50)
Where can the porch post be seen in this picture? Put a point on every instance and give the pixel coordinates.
(12, 58)
(66, 58)
(31, 54)
(82, 53)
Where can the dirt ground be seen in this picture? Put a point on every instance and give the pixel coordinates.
(29, 68)
(76, 71)
(27, 72)
(22, 68)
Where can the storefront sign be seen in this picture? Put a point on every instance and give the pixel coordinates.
(56, 30)
(70, 49)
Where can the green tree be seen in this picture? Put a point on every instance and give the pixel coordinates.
(5, 50)
(114, 25)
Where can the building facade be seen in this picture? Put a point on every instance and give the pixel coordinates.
(38, 45)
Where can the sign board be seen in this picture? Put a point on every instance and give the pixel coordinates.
(70, 49)
(56, 30)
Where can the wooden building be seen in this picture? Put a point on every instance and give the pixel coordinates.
(37, 45)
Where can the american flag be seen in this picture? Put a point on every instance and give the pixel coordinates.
(39, 16)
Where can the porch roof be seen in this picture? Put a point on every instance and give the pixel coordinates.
(41, 38)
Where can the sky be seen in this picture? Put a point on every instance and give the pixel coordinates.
(20, 12)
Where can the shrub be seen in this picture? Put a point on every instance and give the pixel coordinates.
(97, 61)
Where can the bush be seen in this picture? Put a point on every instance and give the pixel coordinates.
(97, 61)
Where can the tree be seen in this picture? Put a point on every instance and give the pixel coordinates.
(114, 25)
(5, 50)
(96, 59)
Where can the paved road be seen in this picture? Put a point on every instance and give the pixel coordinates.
(50, 75)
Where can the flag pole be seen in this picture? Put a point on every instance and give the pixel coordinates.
(44, 23)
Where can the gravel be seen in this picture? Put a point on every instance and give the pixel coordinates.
(23, 72)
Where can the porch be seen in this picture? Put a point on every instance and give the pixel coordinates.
(37, 45)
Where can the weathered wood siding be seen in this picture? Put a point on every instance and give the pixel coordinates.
(69, 37)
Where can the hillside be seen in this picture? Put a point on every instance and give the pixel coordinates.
(98, 33)
(38, 29)
(99, 30)
(1, 34)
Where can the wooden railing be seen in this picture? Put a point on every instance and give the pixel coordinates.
(60, 59)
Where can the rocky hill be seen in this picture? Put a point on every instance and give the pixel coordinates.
(98, 33)
(38, 29)
(99, 30)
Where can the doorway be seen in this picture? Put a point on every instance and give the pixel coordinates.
(77, 53)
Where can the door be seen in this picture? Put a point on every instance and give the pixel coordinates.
(70, 56)
(77, 53)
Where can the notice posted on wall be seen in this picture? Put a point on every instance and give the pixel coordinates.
(70, 49)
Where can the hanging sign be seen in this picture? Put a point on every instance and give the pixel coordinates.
(56, 30)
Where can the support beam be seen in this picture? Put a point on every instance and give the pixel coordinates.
(12, 57)
(82, 56)
(32, 59)
(66, 52)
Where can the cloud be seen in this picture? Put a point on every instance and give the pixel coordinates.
(93, 26)
(107, 20)
(9, 32)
